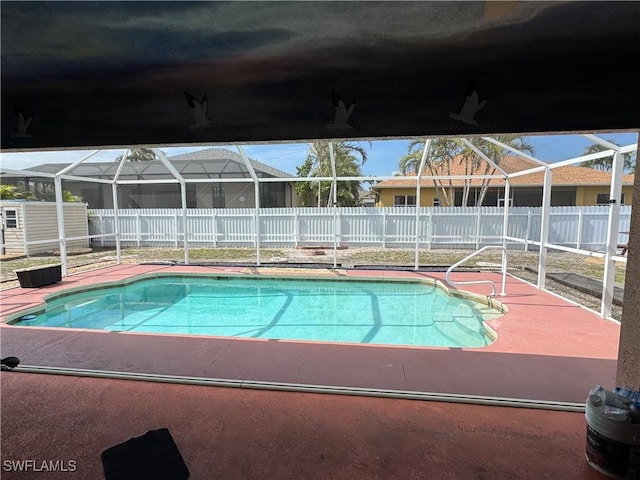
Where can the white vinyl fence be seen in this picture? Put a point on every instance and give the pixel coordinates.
(440, 227)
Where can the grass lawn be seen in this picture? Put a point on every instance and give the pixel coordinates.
(518, 260)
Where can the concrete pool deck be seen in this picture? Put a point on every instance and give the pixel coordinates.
(547, 348)
(238, 434)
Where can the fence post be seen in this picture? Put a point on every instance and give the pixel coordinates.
(429, 228)
(175, 215)
(580, 221)
(526, 235)
(296, 229)
(339, 226)
(478, 218)
(138, 228)
(101, 229)
(215, 229)
(384, 227)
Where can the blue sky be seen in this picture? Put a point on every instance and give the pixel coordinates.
(383, 155)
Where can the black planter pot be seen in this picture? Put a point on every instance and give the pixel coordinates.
(39, 276)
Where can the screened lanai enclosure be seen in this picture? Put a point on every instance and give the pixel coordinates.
(259, 227)
(95, 75)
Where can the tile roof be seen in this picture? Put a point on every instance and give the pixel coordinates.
(568, 175)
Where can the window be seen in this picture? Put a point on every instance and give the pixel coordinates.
(603, 199)
(218, 196)
(436, 202)
(272, 195)
(563, 197)
(192, 196)
(10, 219)
(404, 201)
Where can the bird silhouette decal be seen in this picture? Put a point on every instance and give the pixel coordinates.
(199, 109)
(342, 112)
(23, 124)
(469, 109)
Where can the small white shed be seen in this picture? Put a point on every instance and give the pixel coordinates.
(26, 221)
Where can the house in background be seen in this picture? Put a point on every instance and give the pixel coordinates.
(368, 198)
(570, 186)
(212, 163)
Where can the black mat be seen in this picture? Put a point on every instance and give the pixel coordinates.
(586, 285)
(154, 455)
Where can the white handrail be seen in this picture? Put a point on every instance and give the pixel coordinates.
(476, 282)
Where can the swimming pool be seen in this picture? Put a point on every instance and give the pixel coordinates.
(355, 311)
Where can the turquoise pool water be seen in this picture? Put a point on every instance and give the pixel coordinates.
(406, 313)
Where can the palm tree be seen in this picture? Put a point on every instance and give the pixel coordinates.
(67, 196)
(445, 151)
(438, 162)
(11, 192)
(348, 159)
(410, 163)
(495, 153)
(8, 192)
(606, 163)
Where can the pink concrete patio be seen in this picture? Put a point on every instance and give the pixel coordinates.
(547, 348)
(231, 433)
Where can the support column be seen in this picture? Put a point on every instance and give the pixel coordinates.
(612, 236)
(116, 222)
(256, 218)
(183, 195)
(61, 232)
(114, 194)
(334, 191)
(256, 203)
(629, 350)
(505, 233)
(544, 228)
(423, 161)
